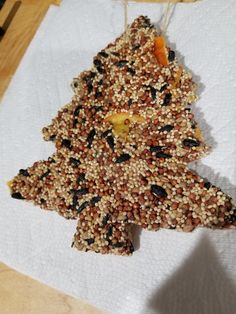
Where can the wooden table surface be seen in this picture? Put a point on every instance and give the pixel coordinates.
(19, 34)
(20, 294)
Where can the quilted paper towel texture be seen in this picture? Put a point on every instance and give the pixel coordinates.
(168, 265)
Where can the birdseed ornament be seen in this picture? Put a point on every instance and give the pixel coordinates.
(123, 145)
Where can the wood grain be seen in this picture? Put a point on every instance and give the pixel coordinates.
(19, 34)
(23, 295)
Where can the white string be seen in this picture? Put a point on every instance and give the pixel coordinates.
(165, 20)
(125, 4)
(167, 17)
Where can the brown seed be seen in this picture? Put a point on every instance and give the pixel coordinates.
(188, 221)
(117, 196)
(188, 228)
(174, 206)
(179, 190)
(141, 199)
(192, 196)
(185, 206)
(196, 221)
(155, 226)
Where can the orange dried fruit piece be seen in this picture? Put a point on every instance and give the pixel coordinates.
(121, 121)
(160, 50)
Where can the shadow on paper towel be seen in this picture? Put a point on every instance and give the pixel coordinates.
(200, 286)
(136, 232)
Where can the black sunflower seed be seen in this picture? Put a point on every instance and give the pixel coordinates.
(90, 138)
(232, 217)
(42, 201)
(80, 178)
(131, 245)
(97, 63)
(156, 149)
(100, 70)
(171, 56)
(166, 128)
(153, 92)
(118, 244)
(158, 190)
(163, 87)
(188, 142)
(146, 22)
(44, 175)
(134, 146)
(17, 196)
(167, 99)
(83, 206)
(98, 94)
(130, 102)
(90, 241)
(163, 155)
(110, 141)
(121, 63)
(131, 71)
(74, 161)
(52, 137)
(73, 190)
(115, 53)
(109, 232)
(122, 158)
(207, 185)
(75, 122)
(77, 110)
(90, 87)
(66, 143)
(103, 54)
(75, 84)
(24, 172)
(95, 200)
(74, 201)
(105, 219)
(52, 160)
(136, 46)
(104, 134)
(81, 192)
(98, 108)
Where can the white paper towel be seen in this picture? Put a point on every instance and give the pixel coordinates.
(171, 272)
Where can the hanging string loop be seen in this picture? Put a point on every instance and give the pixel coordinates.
(164, 21)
